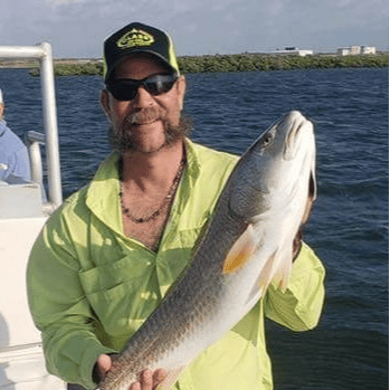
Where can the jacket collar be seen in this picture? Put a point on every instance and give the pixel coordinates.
(103, 192)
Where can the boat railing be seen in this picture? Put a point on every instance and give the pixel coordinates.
(23, 212)
(43, 54)
(34, 140)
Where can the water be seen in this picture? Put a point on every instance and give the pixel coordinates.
(348, 228)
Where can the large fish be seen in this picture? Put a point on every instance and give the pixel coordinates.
(248, 244)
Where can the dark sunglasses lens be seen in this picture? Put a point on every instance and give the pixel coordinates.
(123, 91)
(159, 84)
(127, 89)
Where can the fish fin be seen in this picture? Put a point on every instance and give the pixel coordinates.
(240, 253)
(283, 271)
(282, 281)
(275, 270)
(170, 379)
(266, 274)
(263, 281)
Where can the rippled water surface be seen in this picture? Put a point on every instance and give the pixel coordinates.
(348, 228)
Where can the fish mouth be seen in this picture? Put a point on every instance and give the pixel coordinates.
(296, 121)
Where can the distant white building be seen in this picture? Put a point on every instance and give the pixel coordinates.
(368, 50)
(355, 50)
(343, 51)
(294, 51)
(349, 51)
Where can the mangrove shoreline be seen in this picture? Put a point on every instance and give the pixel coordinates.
(222, 63)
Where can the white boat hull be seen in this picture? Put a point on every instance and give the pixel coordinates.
(22, 364)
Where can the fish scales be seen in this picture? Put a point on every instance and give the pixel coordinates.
(192, 300)
(247, 244)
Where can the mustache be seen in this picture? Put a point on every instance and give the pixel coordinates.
(146, 115)
(123, 141)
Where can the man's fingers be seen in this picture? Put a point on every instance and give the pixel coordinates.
(135, 386)
(104, 363)
(148, 380)
(158, 376)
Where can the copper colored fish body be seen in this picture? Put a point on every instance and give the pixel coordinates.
(248, 245)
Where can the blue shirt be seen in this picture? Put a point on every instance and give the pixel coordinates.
(14, 160)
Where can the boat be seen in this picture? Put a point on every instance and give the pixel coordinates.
(24, 208)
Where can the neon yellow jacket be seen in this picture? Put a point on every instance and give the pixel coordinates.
(90, 287)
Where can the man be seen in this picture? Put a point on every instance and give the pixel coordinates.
(14, 160)
(107, 257)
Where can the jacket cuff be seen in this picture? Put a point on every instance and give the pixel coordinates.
(88, 362)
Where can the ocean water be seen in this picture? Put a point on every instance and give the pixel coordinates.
(348, 228)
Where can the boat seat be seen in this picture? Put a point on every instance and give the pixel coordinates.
(21, 200)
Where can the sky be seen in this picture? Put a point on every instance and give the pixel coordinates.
(77, 28)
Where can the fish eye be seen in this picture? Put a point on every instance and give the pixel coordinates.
(267, 139)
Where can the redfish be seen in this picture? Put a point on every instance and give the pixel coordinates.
(247, 246)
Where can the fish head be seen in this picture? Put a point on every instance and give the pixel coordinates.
(278, 167)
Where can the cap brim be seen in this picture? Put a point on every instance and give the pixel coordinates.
(143, 50)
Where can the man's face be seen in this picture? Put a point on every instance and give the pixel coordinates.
(143, 121)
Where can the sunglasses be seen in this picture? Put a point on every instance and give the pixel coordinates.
(127, 89)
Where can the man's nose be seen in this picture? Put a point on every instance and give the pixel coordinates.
(143, 98)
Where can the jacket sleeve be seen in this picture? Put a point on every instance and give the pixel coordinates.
(299, 307)
(21, 166)
(59, 307)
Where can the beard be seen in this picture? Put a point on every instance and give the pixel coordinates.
(124, 141)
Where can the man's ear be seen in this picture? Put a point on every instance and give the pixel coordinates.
(1, 110)
(105, 103)
(181, 85)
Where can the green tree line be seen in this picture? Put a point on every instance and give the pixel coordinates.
(242, 63)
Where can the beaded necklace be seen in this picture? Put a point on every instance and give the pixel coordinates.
(167, 199)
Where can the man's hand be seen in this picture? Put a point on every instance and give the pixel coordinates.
(148, 380)
(104, 364)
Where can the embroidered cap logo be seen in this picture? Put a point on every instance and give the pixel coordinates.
(134, 38)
